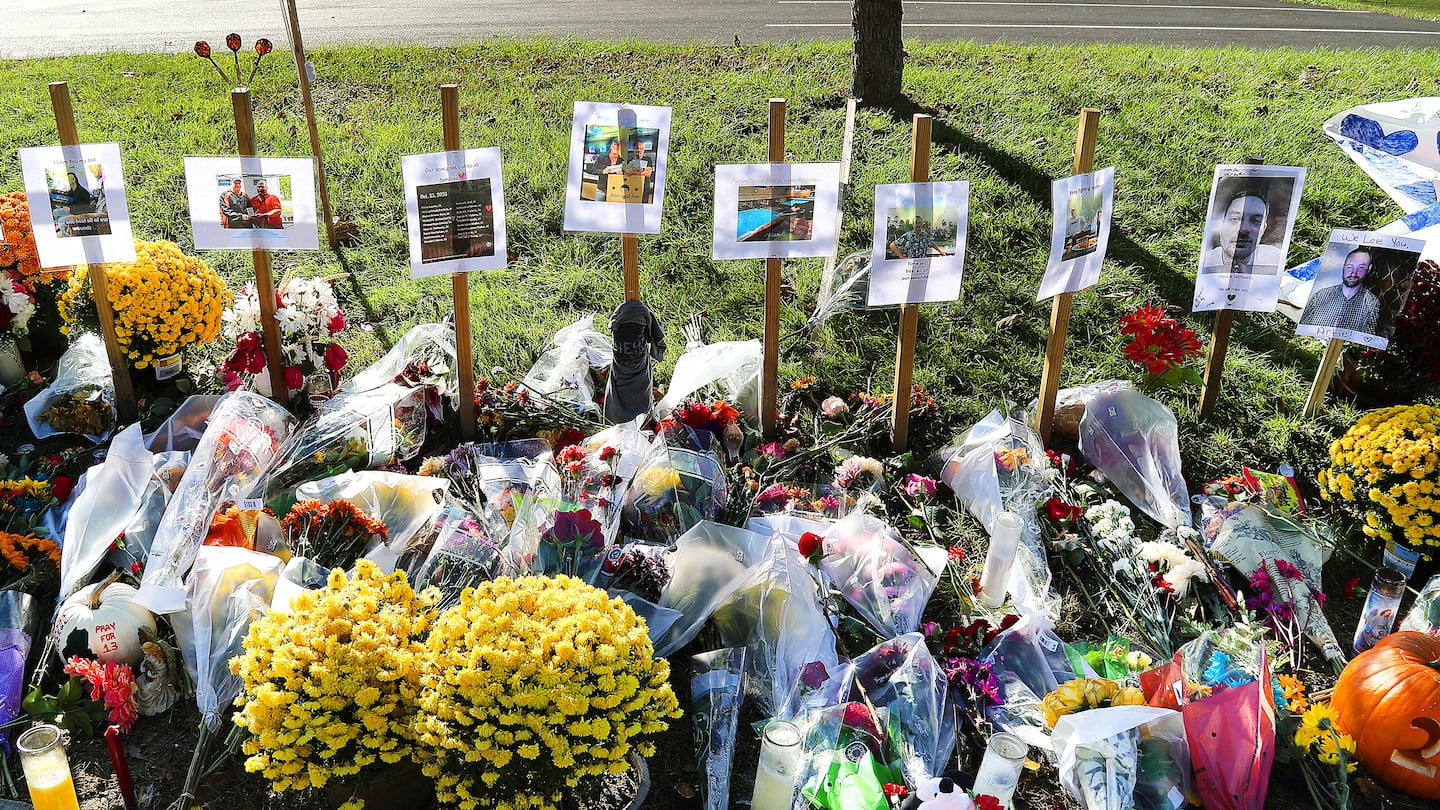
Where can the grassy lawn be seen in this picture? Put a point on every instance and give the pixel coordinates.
(1419, 9)
(1005, 120)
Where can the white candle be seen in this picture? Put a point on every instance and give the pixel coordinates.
(1004, 540)
(1000, 769)
(779, 767)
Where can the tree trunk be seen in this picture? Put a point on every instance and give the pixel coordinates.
(879, 54)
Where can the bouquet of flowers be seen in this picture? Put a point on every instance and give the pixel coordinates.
(1383, 473)
(17, 305)
(677, 485)
(81, 399)
(308, 315)
(163, 302)
(1161, 345)
(332, 534)
(462, 555)
(876, 572)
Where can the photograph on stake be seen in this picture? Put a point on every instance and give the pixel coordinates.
(1362, 285)
(455, 211)
(775, 210)
(1082, 206)
(76, 196)
(1247, 235)
(919, 249)
(617, 168)
(265, 203)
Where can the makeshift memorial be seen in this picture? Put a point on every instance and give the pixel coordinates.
(76, 199)
(461, 555)
(999, 559)
(82, 397)
(163, 302)
(308, 316)
(333, 686)
(902, 677)
(454, 211)
(999, 772)
(1360, 287)
(17, 247)
(1385, 700)
(154, 692)
(1028, 662)
(30, 562)
(680, 481)
(1381, 606)
(571, 725)
(1327, 757)
(733, 367)
(563, 372)
(919, 244)
(639, 343)
(1401, 371)
(775, 779)
(17, 307)
(618, 154)
(423, 356)
(709, 564)
(244, 434)
(101, 512)
(848, 753)
(1162, 345)
(1381, 474)
(716, 689)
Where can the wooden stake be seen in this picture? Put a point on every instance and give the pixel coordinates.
(1323, 376)
(125, 407)
(1219, 344)
(909, 313)
(846, 148)
(630, 258)
(1060, 304)
(264, 282)
(770, 360)
(460, 282)
(298, 47)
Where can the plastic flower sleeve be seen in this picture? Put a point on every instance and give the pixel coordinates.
(1133, 440)
(904, 677)
(109, 500)
(423, 356)
(1124, 756)
(17, 614)
(83, 376)
(1424, 615)
(129, 550)
(245, 432)
(562, 373)
(182, 431)
(229, 588)
(406, 504)
(461, 556)
(1030, 661)
(877, 574)
(848, 758)
(298, 576)
(733, 366)
(674, 489)
(845, 289)
(716, 689)
(709, 564)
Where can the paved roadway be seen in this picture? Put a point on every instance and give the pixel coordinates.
(58, 27)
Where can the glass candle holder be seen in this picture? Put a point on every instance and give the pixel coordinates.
(779, 767)
(1004, 541)
(47, 771)
(1000, 769)
(1378, 617)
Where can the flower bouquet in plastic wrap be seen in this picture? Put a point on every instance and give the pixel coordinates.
(1029, 662)
(404, 505)
(563, 373)
(878, 573)
(512, 487)
(244, 435)
(850, 753)
(81, 399)
(17, 620)
(710, 563)
(309, 318)
(1116, 753)
(717, 687)
(679, 483)
(902, 676)
(1133, 440)
(423, 357)
(461, 555)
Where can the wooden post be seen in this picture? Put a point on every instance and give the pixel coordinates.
(909, 313)
(1323, 376)
(292, 22)
(1060, 304)
(847, 145)
(1219, 344)
(460, 282)
(770, 360)
(125, 407)
(264, 282)
(630, 259)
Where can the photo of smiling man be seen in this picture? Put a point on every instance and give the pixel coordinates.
(1361, 286)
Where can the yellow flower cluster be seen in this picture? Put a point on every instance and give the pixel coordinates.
(1317, 735)
(329, 690)
(535, 684)
(163, 301)
(1386, 471)
(17, 248)
(1087, 693)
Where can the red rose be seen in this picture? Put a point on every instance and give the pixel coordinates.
(335, 357)
(60, 487)
(294, 378)
(247, 343)
(607, 452)
(1060, 511)
(987, 802)
(202, 49)
(336, 323)
(812, 547)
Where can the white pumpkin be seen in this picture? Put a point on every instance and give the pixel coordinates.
(104, 619)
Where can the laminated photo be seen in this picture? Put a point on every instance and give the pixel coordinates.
(1247, 234)
(454, 211)
(919, 250)
(775, 210)
(261, 203)
(1361, 286)
(617, 168)
(76, 196)
(1081, 232)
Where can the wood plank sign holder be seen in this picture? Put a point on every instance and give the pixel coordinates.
(1323, 376)
(460, 282)
(909, 313)
(1219, 344)
(125, 407)
(297, 45)
(770, 358)
(630, 259)
(1060, 304)
(264, 281)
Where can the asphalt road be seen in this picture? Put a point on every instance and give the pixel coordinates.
(59, 27)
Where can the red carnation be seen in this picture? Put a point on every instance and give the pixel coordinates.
(335, 357)
(336, 323)
(987, 802)
(60, 487)
(295, 378)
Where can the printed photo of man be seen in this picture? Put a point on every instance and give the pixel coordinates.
(1347, 305)
(266, 207)
(1236, 237)
(235, 208)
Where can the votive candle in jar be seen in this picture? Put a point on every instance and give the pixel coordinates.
(47, 771)
(779, 767)
(1004, 541)
(1000, 769)
(1378, 617)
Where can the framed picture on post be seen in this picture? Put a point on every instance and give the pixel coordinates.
(1247, 235)
(454, 211)
(77, 204)
(260, 203)
(1361, 286)
(775, 210)
(919, 250)
(1082, 206)
(617, 168)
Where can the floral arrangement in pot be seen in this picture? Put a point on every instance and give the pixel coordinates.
(534, 685)
(1383, 473)
(163, 302)
(308, 315)
(27, 292)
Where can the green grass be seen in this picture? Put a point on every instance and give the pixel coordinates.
(1419, 9)
(1005, 120)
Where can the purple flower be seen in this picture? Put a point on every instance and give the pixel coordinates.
(929, 628)
(772, 497)
(916, 485)
(814, 675)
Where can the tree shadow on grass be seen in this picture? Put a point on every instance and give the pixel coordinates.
(357, 289)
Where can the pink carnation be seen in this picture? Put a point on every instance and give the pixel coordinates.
(914, 485)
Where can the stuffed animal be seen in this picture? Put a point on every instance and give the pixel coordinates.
(944, 792)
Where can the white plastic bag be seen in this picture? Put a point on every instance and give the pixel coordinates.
(423, 356)
(733, 365)
(562, 373)
(182, 431)
(1100, 758)
(1134, 441)
(877, 574)
(84, 371)
(709, 564)
(112, 495)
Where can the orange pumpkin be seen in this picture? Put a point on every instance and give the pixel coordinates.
(1388, 699)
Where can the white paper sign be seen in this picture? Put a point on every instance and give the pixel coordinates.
(1362, 284)
(617, 168)
(775, 210)
(252, 202)
(1082, 206)
(1251, 214)
(455, 211)
(919, 250)
(77, 204)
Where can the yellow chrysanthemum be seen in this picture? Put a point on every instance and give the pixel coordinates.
(1384, 471)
